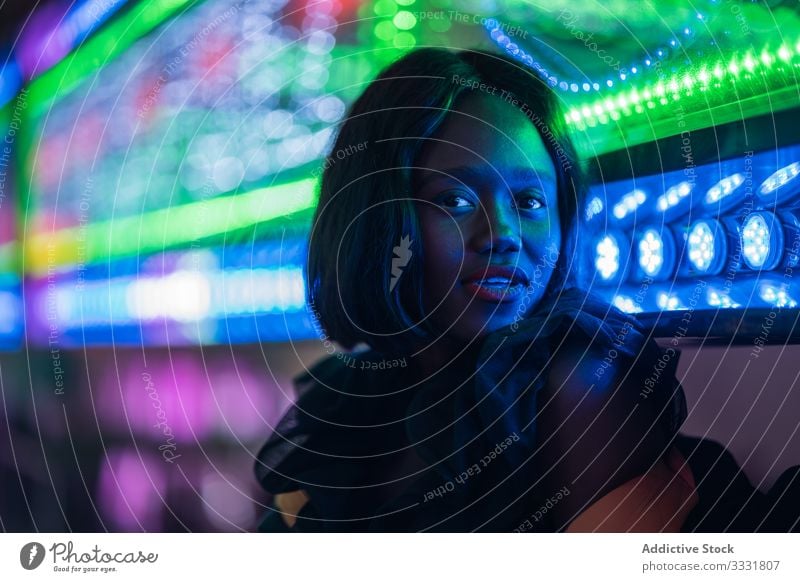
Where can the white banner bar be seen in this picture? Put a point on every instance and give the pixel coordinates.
(399, 557)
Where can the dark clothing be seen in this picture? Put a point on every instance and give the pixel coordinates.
(728, 502)
(375, 452)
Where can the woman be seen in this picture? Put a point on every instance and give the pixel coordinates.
(495, 395)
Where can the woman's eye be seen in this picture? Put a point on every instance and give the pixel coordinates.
(529, 203)
(455, 200)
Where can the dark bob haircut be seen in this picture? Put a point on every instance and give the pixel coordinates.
(366, 200)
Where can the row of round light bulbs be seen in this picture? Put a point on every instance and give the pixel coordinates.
(779, 187)
(761, 239)
(760, 235)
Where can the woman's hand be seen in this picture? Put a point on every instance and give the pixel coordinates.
(595, 433)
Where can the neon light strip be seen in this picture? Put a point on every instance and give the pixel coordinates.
(721, 81)
(165, 228)
(183, 296)
(100, 49)
(711, 94)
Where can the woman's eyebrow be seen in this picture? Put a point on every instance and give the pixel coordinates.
(527, 174)
(473, 174)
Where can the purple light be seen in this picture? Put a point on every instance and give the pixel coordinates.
(40, 45)
(131, 489)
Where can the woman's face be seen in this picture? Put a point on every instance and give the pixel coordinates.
(488, 210)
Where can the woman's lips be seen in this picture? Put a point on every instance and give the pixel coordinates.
(497, 283)
(495, 292)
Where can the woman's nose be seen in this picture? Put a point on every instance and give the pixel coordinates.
(497, 228)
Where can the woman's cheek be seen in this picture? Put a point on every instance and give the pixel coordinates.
(543, 235)
(542, 273)
(443, 253)
(446, 268)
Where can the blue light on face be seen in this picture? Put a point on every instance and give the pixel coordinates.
(762, 239)
(607, 256)
(706, 246)
(656, 252)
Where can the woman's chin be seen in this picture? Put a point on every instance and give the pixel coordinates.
(472, 323)
(481, 328)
